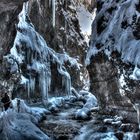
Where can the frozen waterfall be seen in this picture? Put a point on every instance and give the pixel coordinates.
(31, 49)
(53, 12)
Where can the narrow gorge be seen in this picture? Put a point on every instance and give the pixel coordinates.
(70, 69)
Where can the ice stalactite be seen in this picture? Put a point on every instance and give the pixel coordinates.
(136, 106)
(30, 49)
(67, 78)
(30, 86)
(50, 1)
(53, 12)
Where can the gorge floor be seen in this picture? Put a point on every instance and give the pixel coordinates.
(62, 125)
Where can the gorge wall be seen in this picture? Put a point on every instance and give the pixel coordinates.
(62, 34)
(113, 57)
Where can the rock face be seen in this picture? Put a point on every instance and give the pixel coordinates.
(65, 38)
(113, 53)
(8, 13)
(103, 79)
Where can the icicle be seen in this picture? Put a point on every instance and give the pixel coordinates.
(63, 72)
(50, 3)
(137, 108)
(68, 86)
(28, 90)
(49, 80)
(32, 85)
(43, 83)
(53, 12)
(63, 81)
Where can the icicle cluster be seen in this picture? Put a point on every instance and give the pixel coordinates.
(31, 49)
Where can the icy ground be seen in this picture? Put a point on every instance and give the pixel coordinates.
(75, 118)
(21, 121)
(63, 125)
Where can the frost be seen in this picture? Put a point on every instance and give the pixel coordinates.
(123, 84)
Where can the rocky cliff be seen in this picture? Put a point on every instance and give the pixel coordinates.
(58, 24)
(113, 57)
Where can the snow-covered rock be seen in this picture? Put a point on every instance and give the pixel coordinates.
(90, 102)
(19, 126)
(19, 122)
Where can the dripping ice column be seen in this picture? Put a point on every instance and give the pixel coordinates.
(43, 84)
(30, 86)
(62, 71)
(53, 12)
(137, 108)
(50, 3)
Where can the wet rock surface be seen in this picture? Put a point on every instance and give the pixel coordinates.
(62, 125)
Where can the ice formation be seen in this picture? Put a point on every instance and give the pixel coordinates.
(115, 31)
(136, 106)
(53, 12)
(136, 74)
(90, 102)
(31, 49)
(20, 122)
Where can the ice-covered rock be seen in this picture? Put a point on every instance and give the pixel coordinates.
(90, 102)
(130, 136)
(19, 105)
(19, 122)
(117, 120)
(19, 126)
(31, 50)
